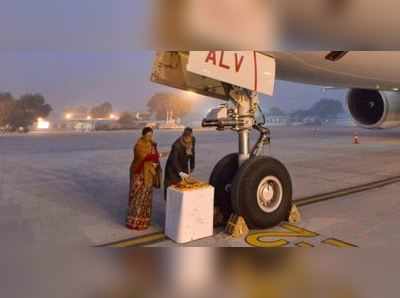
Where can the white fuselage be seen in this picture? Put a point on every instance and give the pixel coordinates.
(358, 69)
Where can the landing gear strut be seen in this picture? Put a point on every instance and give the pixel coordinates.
(256, 187)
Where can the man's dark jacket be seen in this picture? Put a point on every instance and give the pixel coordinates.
(178, 161)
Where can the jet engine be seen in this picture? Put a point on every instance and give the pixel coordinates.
(374, 109)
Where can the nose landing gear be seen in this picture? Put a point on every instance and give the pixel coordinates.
(259, 188)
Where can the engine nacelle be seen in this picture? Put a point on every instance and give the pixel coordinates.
(374, 109)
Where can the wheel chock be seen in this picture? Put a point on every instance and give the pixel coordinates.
(356, 139)
(236, 226)
(294, 215)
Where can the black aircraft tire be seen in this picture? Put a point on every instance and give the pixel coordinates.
(270, 178)
(221, 179)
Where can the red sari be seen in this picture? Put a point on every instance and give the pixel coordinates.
(142, 175)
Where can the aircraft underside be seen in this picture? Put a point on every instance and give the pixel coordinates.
(257, 187)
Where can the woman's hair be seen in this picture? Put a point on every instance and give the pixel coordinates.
(146, 130)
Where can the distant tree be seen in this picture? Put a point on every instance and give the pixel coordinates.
(323, 109)
(7, 104)
(101, 111)
(161, 103)
(327, 108)
(27, 109)
(299, 115)
(126, 119)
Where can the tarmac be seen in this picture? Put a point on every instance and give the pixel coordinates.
(71, 189)
(63, 200)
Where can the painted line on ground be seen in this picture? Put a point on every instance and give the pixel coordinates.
(338, 243)
(137, 241)
(346, 191)
(304, 244)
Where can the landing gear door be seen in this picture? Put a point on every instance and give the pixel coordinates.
(170, 69)
(247, 69)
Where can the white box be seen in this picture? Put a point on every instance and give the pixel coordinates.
(189, 214)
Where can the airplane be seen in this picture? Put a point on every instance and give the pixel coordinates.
(257, 187)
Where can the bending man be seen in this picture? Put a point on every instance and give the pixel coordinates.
(181, 160)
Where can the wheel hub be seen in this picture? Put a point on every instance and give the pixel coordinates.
(269, 194)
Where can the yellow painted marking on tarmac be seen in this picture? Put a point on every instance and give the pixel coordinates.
(257, 241)
(338, 243)
(291, 231)
(140, 241)
(304, 244)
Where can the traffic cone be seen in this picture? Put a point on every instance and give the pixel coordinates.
(356, 140)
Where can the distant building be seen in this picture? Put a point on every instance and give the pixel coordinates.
(86, 125)
(41, 124)
(82, 121)
(83, 126)
(314, 121)
(170, 122)
(144, 116)
(277, 120)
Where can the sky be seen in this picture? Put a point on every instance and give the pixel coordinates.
(87, 52)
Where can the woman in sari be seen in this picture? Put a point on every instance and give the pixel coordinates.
(143, 178)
